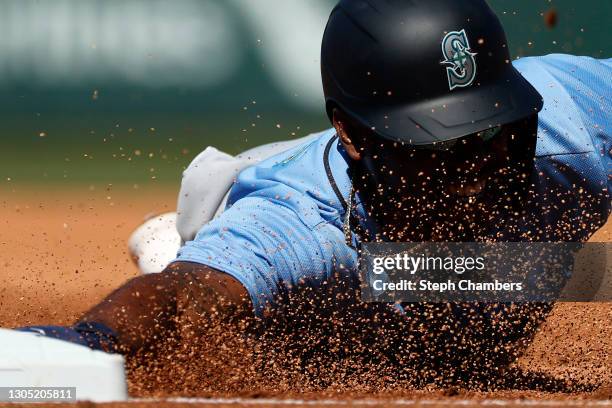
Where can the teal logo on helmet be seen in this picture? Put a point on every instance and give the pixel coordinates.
(459, 59)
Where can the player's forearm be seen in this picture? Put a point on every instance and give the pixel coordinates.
(151, 307)
(138, 311)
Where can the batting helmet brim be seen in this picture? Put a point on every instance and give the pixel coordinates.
(451, 116)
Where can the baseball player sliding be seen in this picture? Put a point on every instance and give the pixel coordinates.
(437, 136)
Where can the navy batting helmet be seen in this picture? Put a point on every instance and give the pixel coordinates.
(422, 71)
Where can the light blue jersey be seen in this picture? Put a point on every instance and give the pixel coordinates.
(284, 223)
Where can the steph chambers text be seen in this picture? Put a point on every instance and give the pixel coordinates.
(448, 286)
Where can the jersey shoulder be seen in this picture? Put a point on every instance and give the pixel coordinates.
(297, 174)
(576, 92)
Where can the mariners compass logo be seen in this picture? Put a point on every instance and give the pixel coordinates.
(459, 58)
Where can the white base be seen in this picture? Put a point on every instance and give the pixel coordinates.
(32, 360)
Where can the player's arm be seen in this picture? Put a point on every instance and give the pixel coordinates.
(147, 308)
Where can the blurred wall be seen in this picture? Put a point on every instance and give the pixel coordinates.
(105, 91)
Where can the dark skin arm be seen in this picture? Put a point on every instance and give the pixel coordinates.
(148, 307)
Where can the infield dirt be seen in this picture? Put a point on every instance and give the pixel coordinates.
(61, 251)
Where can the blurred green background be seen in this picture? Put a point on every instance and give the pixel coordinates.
(128, 92)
